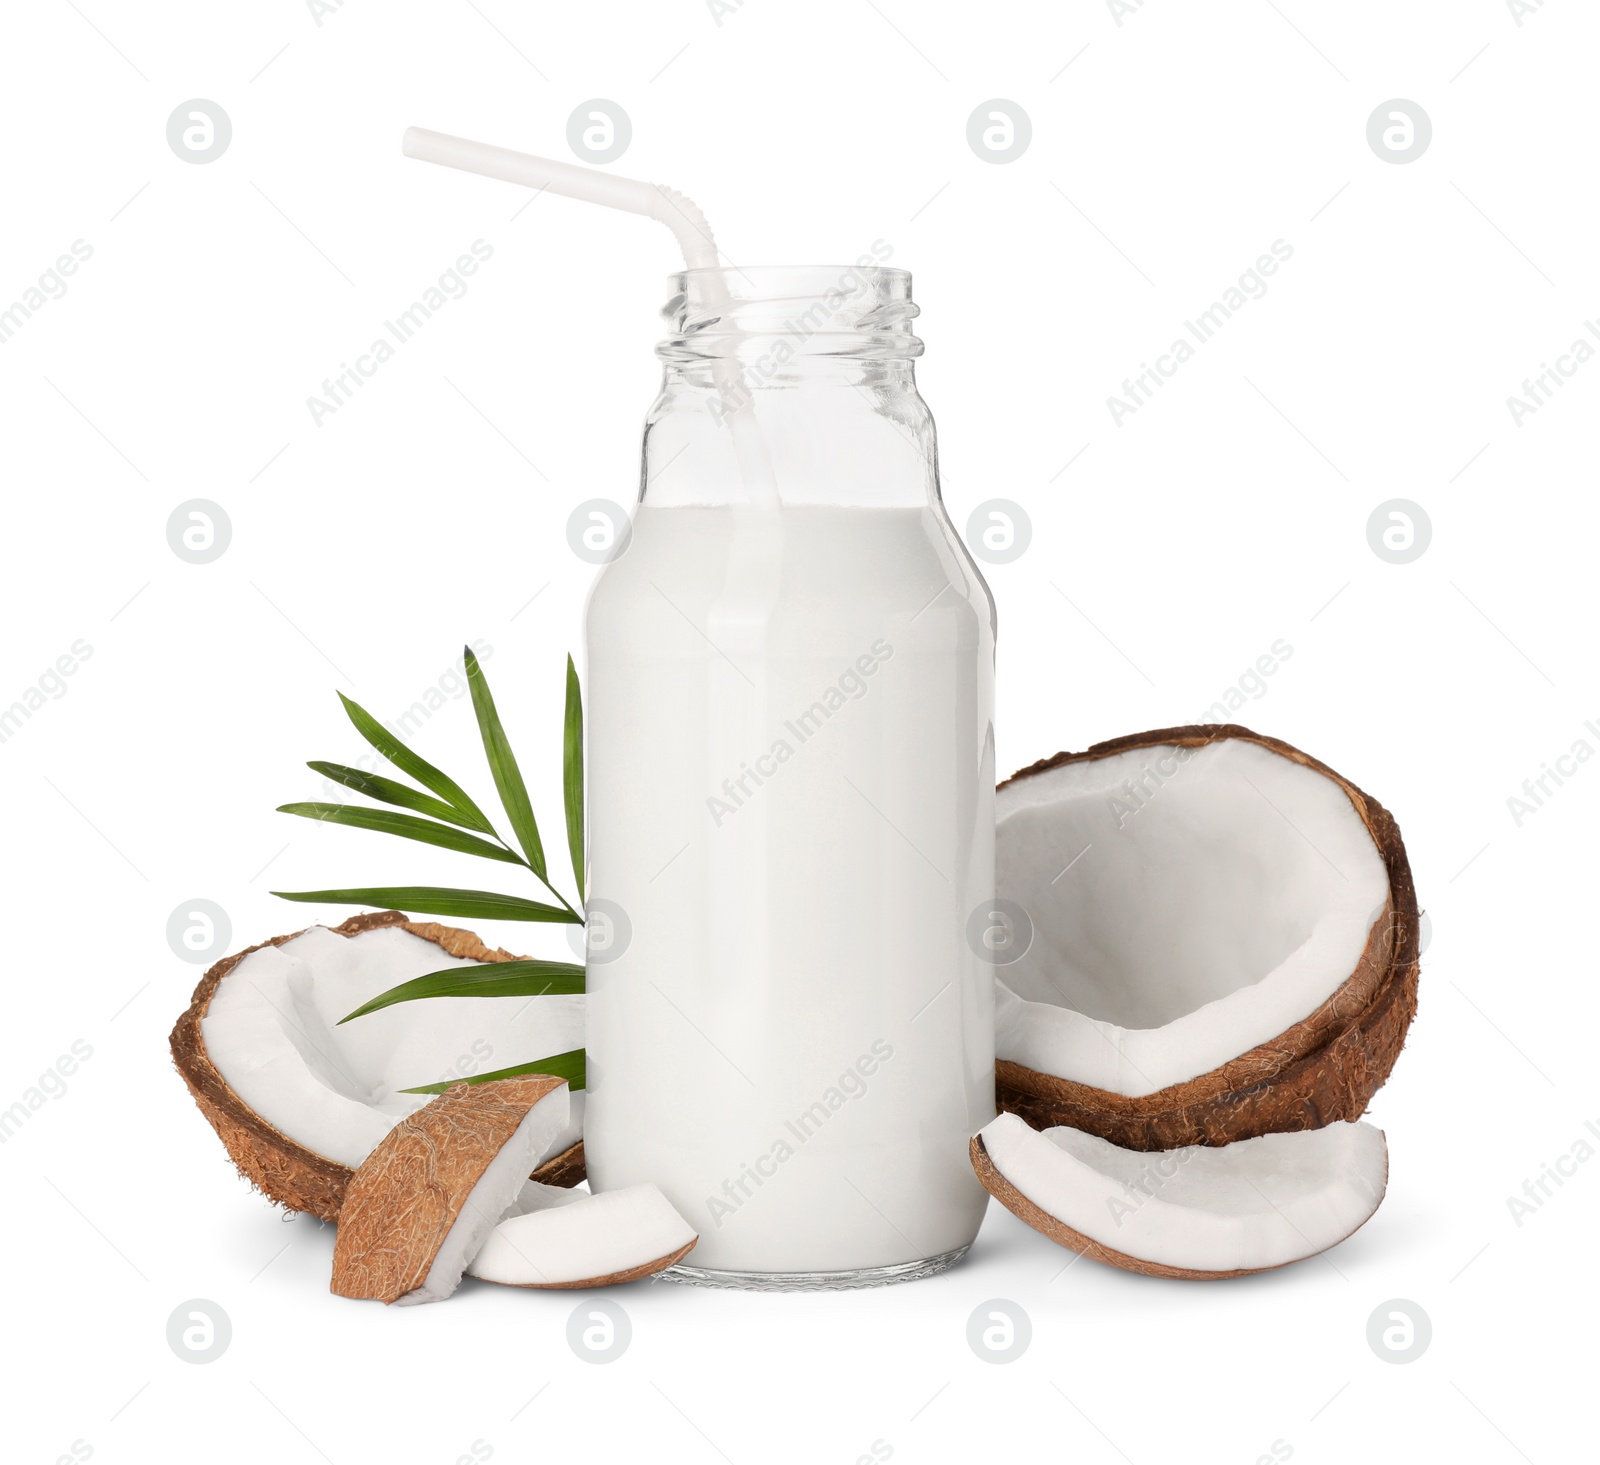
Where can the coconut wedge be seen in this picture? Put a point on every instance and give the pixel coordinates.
(422, 1203)
(300, 1101)
(1224, 940)
(1192, 1213)
(537, 1195)
(566, 1239)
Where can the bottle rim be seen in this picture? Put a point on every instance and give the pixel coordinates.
(807, 310)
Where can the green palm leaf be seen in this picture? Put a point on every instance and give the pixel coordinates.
(570, 1066)
(387, 791)
(407, 826)
(503, 765)
(418, 767)
(436, 900)
(572, 773)
(492, 979)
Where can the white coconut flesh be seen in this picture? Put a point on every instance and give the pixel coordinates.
(1187, 905)
(1247, 1206)
(537, 1196)
(272, 1030)
(498, 1190)
(577, 1237)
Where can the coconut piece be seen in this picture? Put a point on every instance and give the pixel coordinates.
(1197, 1212)
(1233, 951)
(300, 1101)
(567, 1168)
(433, 1188)
(537, 1196)
(586, 1241)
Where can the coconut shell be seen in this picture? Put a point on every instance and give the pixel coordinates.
(566, 1169)
(1326, 1067)
(284, 1170)
(408, 1193)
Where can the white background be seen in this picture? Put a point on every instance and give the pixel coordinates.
(1168, 153)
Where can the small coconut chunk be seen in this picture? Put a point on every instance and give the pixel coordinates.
(537, 1196)
(422, 1203)
(1217, 1211)
(585, 1240)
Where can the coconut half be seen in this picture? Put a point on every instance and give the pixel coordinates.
(301, 1101)
(422, 1203)
(1197, 1212)
(566, 1239)
(1224, 940)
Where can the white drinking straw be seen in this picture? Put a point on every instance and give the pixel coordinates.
(666, 205)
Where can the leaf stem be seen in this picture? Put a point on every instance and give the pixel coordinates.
(559, 896)
(517, 856)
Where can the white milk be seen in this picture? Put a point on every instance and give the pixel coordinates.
(792, 802)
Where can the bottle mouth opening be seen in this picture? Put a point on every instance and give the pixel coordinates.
(855, 310)
(752, 281)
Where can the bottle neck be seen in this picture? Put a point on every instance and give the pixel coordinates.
(727, 385)
(810, 368)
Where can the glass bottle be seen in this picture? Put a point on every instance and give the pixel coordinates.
(791, 808)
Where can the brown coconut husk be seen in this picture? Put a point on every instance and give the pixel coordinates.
(284, 1170)
(1326, 1067)
(566, 1169)
(1074, 1240)
(409, 1192)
